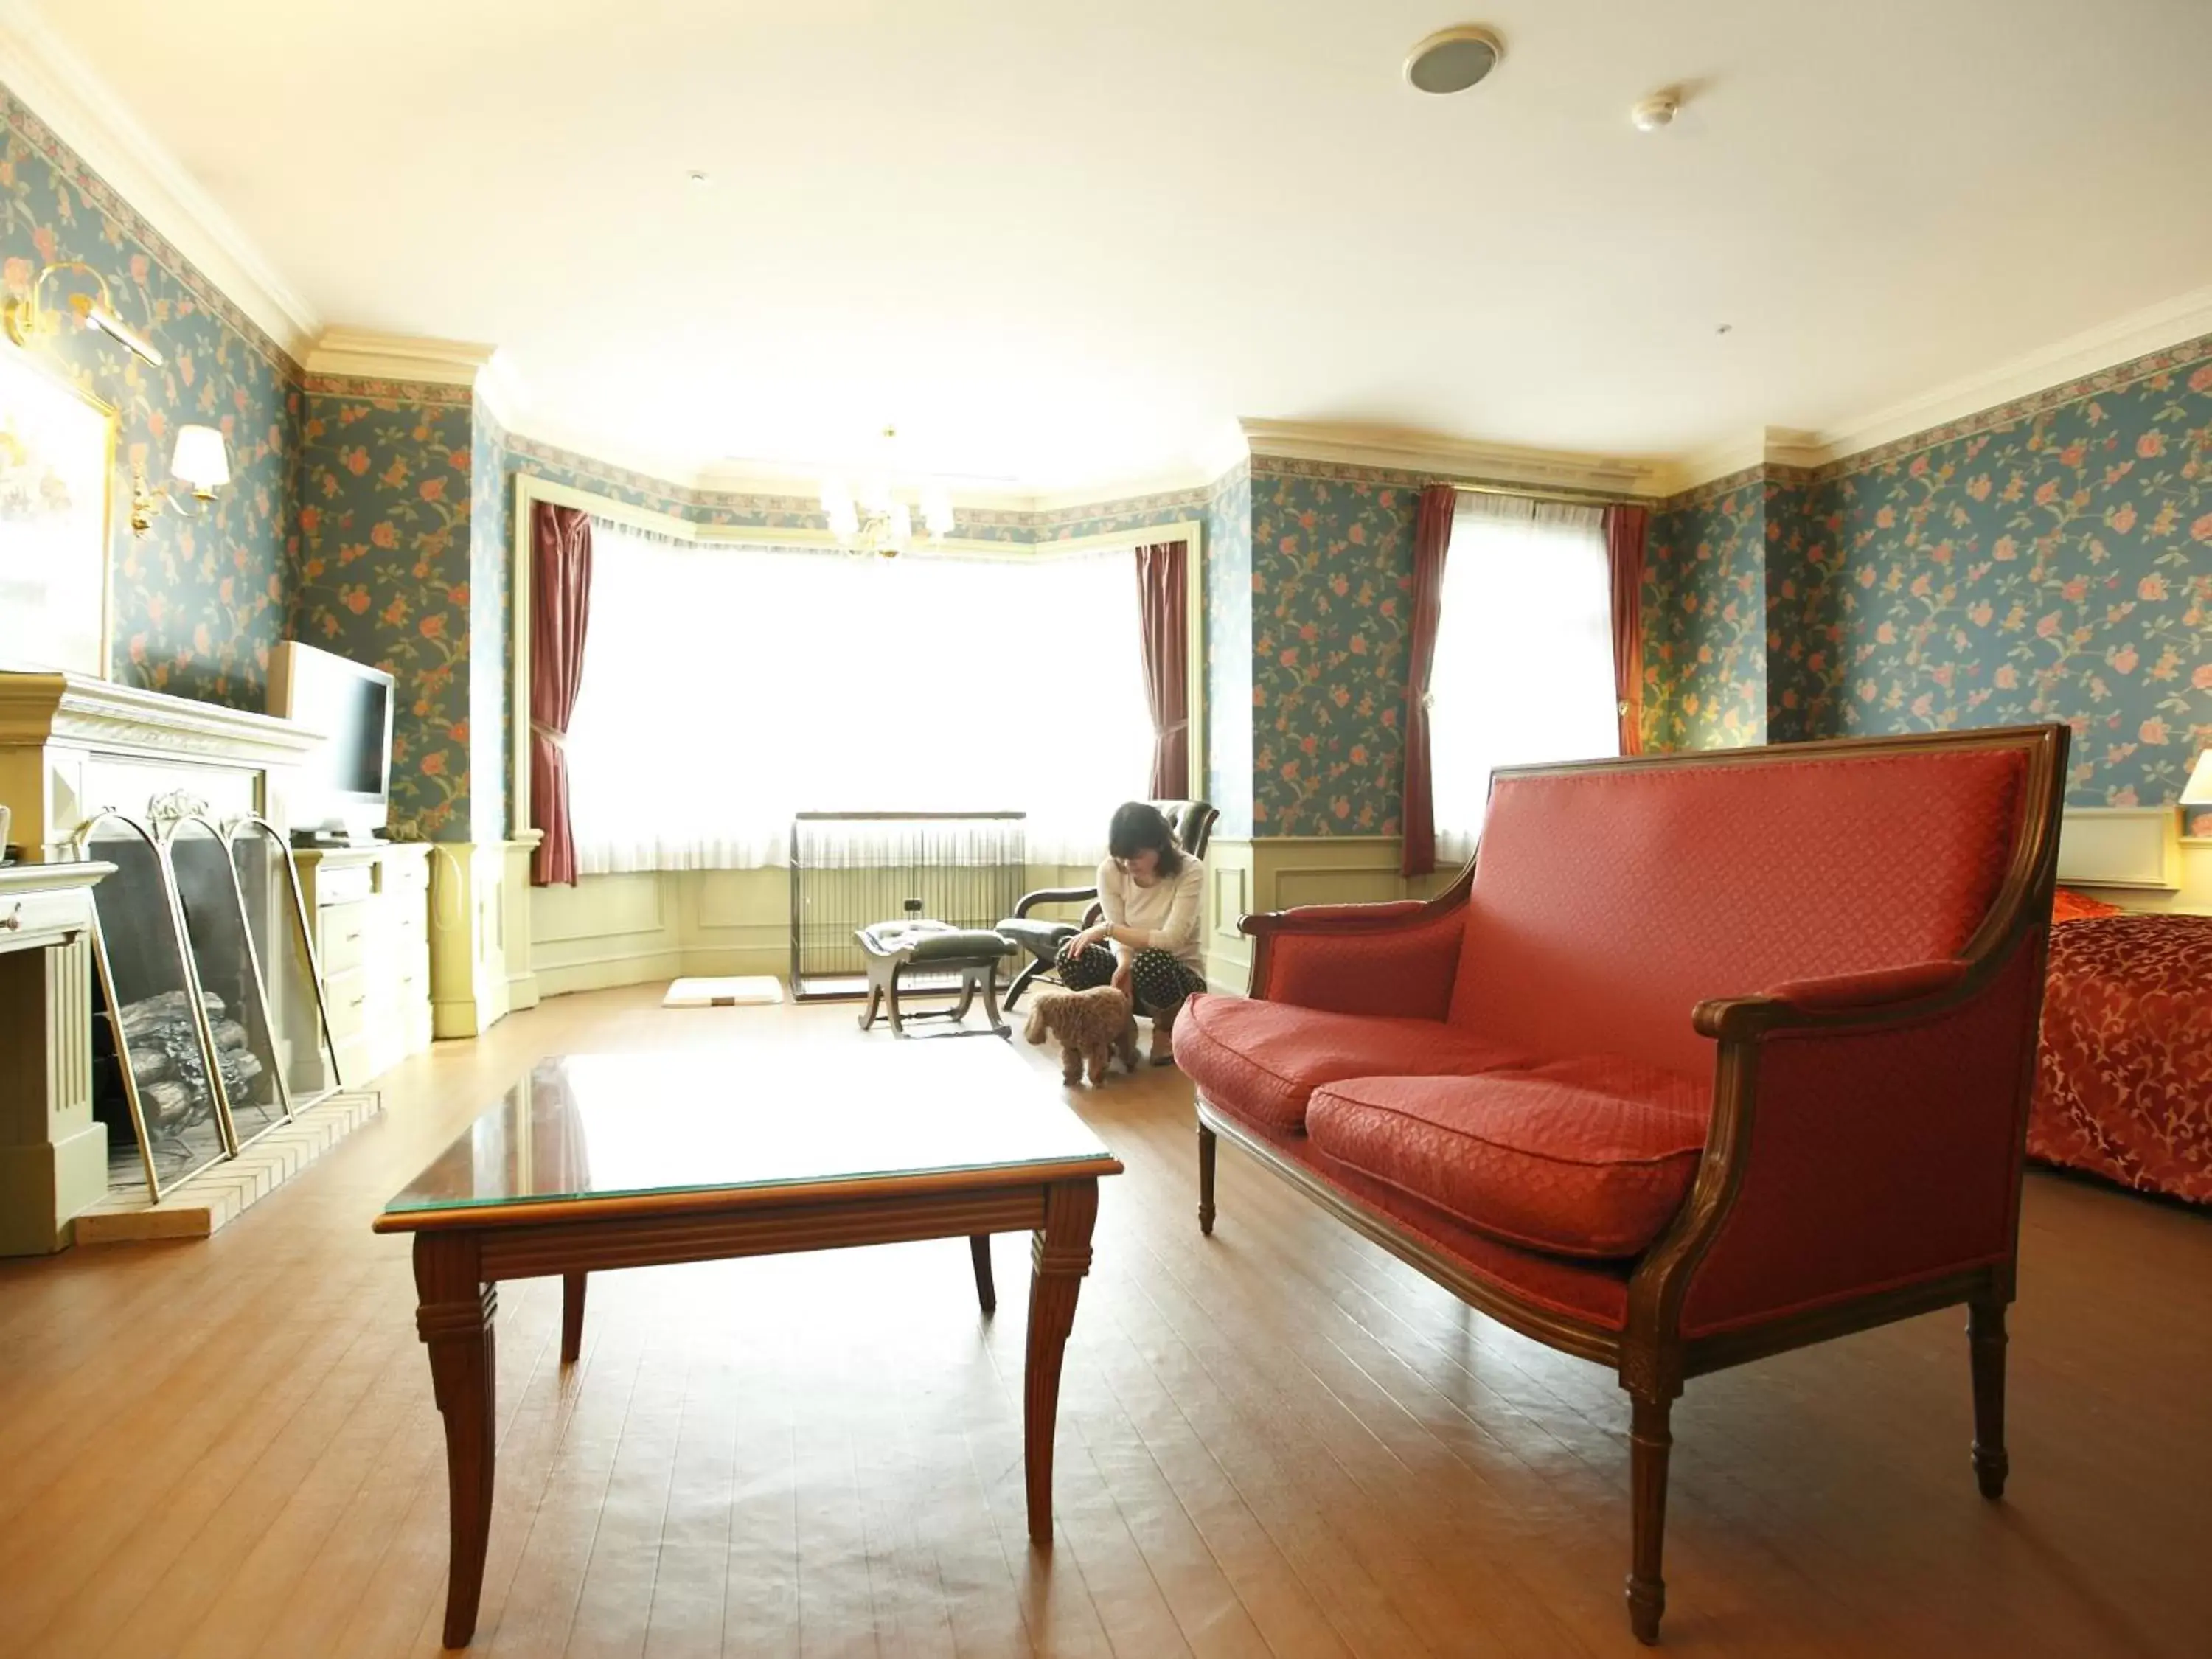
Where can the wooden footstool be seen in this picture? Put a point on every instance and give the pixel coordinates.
(936, 947)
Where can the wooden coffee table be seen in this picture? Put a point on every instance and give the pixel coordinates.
(632, 1160)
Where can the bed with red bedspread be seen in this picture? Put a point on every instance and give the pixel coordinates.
(2123, 1085)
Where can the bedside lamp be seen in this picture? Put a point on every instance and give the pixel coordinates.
(2197, 792)
(200, 463)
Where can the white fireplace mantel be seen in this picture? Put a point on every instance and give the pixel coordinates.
(71, 746)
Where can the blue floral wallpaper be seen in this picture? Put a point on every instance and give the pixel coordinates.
(1332, 583)
(1227, 577)
(491, 645)
(2057, 565)
(2050, 559)
(198, 601)
(384, 571)
(1804, 634)
(1704, 619)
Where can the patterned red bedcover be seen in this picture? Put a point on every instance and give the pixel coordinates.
(2124, 1084)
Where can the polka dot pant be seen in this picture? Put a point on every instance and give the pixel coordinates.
(1161, 980)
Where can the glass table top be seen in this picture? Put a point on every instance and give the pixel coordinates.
(766, 1117)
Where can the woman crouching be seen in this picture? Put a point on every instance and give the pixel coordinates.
(1150, 892)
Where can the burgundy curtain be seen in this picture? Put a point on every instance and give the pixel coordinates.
(1624, 546)
(1431, 540)
(560, 604)
(1164, 603)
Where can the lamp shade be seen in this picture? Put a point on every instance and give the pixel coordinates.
(2197, 792)
(201, 460)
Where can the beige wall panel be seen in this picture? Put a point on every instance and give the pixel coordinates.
(719, 901)
(598, 908)
(1376, 885)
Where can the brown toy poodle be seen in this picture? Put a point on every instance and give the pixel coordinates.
(1092, 1026)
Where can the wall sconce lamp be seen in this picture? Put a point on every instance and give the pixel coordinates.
(27, 320)
(201, 464)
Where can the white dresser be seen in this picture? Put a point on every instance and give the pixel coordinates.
(372, 907)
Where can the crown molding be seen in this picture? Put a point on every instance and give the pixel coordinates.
(85, 113)
(500, 389)
(2053, 374)
(362, 354)
(1403, 450)
(2137, 334)
(1771, 446)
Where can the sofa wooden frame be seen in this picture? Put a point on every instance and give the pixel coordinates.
(1650, 1353)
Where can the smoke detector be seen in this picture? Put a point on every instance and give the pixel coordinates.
(1453, 59)
(1655, 111)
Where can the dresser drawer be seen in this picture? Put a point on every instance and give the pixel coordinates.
(34, 920)
(345, 937)
(406, 874)
(345, 1001)
(346, 883)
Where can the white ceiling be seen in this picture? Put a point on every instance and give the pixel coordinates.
(1066, 244)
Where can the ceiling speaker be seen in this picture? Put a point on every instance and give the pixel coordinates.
(1453, 59)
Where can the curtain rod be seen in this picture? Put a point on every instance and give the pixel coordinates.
(1564, 497)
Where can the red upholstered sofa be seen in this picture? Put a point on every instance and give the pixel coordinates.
(1703, 1057)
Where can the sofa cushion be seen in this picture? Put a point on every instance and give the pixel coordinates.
(1587, 1156)
(1606, 905)
(1262, 1060)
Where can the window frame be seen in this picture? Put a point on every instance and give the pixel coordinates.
(529, 489)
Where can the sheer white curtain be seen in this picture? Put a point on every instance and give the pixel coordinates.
(726, 688)
(1524, 652)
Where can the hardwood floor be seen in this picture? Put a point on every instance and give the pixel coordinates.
(1276, 1441)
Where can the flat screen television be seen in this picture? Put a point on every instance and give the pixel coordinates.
(343, 789)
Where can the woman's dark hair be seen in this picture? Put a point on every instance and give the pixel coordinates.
(1138, 824)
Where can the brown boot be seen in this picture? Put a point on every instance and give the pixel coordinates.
(1162, 1040)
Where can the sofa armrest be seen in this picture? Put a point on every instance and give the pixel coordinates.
(1867, 1135)
(1395, 959)
(1881, 987)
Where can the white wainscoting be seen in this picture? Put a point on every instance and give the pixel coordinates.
(2137, 858)
(634, 929)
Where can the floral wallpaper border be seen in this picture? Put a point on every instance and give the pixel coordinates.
(428, 394)
(2118, 377)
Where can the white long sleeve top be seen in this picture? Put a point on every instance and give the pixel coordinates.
(1169, 911)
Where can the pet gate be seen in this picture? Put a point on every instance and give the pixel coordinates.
(851, 869)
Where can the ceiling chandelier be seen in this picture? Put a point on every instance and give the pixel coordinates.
(879, 516)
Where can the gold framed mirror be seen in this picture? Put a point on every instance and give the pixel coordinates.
(58, 447)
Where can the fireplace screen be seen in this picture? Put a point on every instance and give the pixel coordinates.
(151, 1085)
(223, 961)
(277, 918)
(212, 1029)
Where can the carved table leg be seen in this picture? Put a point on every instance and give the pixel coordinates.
(572, 1316)
(1060, 1255)
(1207, 1139)
(1649, 1439)
(455, 1320)
(1986, 1341)
(979, 1251)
